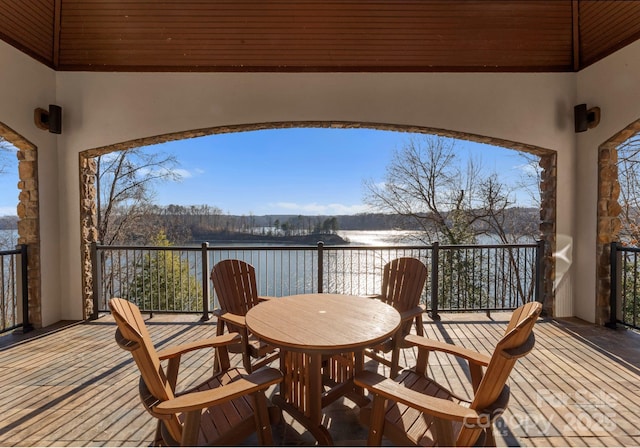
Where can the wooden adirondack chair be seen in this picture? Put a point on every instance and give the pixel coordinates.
(224, 410)
(422, 412)
(402, 285)
(235, 285)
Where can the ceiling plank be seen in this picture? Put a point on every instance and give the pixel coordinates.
(319, 35)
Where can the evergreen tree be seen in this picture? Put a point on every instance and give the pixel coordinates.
(163, 281)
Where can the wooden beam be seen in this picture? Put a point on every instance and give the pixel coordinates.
(56, 33)
(575, 21)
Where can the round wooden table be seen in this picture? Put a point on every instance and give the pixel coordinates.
(308, 328)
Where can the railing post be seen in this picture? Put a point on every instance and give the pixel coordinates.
(96, 274)
(539, 281)
(435, 262)
(320, 267)
(205, 282)
(24, 277)
(614, 294)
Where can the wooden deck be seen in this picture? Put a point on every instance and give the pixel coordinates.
(75, 387)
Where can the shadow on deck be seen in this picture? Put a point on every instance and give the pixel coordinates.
(74, 386)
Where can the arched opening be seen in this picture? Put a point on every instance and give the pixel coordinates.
(28, 216)
(609, 210)
(547, 157)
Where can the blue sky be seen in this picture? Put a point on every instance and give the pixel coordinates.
(286, 171)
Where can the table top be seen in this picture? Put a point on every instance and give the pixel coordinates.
(326, 323)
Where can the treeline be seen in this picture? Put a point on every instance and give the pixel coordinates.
(8, 222)
(184, 224)
(187, 223)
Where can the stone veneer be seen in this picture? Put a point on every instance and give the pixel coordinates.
(88, 191)
(29, 216)
(608, 217)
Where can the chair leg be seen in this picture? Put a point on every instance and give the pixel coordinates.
(419, 325)
(376, 425)
(158, 441)
(246, 350)
(221, 362)
(263, 423)
(490, 439)
(191, 428)
(395, 360)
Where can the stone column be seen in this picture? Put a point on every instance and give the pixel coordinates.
(608, 229)
(28, 211)
(88, 227)
(548, 185)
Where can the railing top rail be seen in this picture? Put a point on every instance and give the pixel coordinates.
(284, 247)
(148, 248)
(10, 252)
(620, 248)
(210, 247)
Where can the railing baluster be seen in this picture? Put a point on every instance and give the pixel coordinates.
(539, 281)
(435, 256)
(205, 280)
(320, 266)
(97, 280)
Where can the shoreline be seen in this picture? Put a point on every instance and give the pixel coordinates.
(238, 238)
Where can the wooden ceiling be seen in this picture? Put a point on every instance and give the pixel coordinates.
(319, 35)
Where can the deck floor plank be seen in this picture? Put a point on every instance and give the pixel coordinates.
(74, 386)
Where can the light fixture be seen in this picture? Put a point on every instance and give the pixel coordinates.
(50, 120)
(585, 118)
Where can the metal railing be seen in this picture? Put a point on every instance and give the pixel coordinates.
(14, 296)
(624, 297)
(176, 279)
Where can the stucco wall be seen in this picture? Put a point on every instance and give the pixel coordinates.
(25, 84)
(612, 84)
(105, 108)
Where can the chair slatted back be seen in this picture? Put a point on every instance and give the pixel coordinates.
(403, 283)
(133, 329)
(235, 284)
(517, 341)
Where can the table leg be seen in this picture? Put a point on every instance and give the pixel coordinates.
(357, 393)
(300, 394)
(359, 367)
(315, 388)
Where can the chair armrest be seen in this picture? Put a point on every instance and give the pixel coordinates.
(461, 352)
(257, 381)
(218, 341)
(266, 298)
(410, 314)
(372, 296)
(437, 407)
(234, 319)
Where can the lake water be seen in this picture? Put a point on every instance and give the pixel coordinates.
(380, 237)
(354, 270)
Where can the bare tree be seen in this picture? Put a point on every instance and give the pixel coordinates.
(6, 150)
(125, 192)
(531, 177)
(629, 179)
(426, 184)
(454, 204)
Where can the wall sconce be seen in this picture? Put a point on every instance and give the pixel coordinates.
(50, 120)
(585, 118)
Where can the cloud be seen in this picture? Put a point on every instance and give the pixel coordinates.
(316, 209)
(180, 173)
(184, 174)
(8, 211)
(528, 169)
